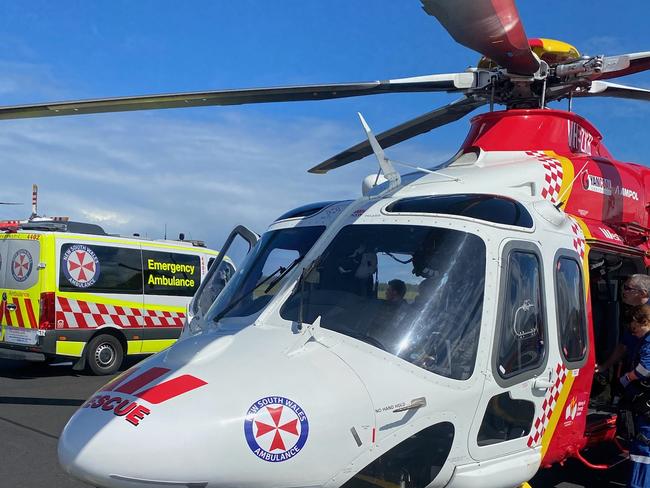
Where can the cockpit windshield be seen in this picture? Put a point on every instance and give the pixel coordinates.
(413, 291)
(257, 281)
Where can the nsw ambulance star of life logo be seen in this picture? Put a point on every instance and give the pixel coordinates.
(81, 266)
(22, 265)
(276, 428)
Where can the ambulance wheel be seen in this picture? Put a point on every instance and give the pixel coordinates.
(104, 355)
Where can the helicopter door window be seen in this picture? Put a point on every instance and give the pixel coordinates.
(522, 342)
(571, 318)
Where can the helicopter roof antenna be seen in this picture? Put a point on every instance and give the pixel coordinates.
(385, 164)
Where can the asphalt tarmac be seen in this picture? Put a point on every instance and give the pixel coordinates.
(36, 401)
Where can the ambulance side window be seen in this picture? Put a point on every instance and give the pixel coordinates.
(572, 322)
(171, 273)
(522, 343)
(89, 268)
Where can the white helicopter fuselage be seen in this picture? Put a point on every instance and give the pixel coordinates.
(264, 401)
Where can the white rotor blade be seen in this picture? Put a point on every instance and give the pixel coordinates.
(625, 64)
(430, 83)
(424, 123)
(606, 89)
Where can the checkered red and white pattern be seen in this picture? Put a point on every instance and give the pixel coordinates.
(83, 315)
(553, 176)
(578, 239)
(539, 426)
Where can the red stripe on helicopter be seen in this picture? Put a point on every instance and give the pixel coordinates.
(171, 388)
(119, 380)
(142, 380)
(132, 411)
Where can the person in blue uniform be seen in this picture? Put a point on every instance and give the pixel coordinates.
(637, 390)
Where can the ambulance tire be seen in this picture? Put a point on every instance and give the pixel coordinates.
(104, 355)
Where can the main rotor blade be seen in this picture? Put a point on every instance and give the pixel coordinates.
(606, 89)
(491, 27)
(625, 64)
(430, 83)
(424, 123)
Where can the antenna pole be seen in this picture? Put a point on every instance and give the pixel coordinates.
(559, 203)
(34, 201)
(492, 96)
(165, 230)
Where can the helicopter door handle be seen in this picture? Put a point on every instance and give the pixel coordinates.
(415, 403)
(11, 307)
(542, 384)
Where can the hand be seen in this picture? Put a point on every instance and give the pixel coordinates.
(625, 380)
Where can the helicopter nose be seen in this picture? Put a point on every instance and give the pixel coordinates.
(105, 443)
(229, 413)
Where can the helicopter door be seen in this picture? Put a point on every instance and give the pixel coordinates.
(521, 378)
(237, 246)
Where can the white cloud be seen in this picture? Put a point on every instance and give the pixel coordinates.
(137, 172)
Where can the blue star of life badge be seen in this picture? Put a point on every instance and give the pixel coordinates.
(80, 266)
(276, 429)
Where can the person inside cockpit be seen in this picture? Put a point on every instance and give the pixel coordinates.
(395, 292)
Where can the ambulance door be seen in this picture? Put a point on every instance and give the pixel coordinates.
(513, 410)
(171, 277)
(21, 290)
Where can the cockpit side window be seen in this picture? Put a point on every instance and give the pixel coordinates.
(522, 341)
(413, 291)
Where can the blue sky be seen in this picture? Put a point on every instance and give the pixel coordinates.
(202, 171)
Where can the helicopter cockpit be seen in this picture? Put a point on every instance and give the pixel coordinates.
(266, 262)
(435, 325)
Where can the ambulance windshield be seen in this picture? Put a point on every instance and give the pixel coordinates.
(413, 291)
(260, 277)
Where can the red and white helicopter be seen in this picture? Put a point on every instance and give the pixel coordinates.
(442, 330)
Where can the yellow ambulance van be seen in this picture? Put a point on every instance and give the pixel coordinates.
(69, 290)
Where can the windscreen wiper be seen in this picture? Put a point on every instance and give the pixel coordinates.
(283, 273)
(281, 269)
